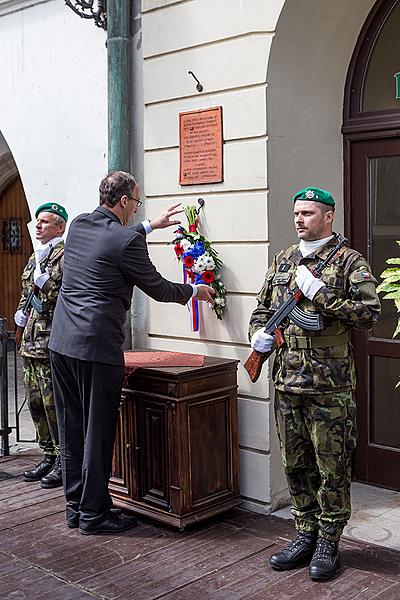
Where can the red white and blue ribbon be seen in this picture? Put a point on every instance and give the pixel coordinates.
(193, 304)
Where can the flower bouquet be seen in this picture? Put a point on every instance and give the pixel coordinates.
(200, 261)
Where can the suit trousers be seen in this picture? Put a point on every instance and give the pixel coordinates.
(87, 396)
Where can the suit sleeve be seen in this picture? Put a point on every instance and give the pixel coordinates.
(140, 229)
(138, 268)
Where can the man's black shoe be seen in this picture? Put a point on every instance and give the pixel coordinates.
(113, 524)
(73, 522)
(41, 469)
(54, 478)
(325, 561)
(298, 552)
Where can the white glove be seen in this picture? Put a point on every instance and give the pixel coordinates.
(20, 318)
(261, 341)
(306, 281)
(40, 278)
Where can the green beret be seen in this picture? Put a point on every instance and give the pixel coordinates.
(53, 207)
(315, 195)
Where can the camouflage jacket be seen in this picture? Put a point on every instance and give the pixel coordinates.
(37, 330)
(315, 362)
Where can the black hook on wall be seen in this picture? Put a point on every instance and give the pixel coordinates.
(199, 87)
(201, 203)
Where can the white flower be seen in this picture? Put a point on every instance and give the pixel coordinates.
(186, 245)
(209, 262)
(204, 263)
(199, 265)
(220, 301)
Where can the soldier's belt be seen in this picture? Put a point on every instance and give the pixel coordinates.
(298, 342)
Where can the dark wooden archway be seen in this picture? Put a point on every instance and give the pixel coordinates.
(371, 138)
(15, 247)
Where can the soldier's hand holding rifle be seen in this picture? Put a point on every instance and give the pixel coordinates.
(261, 341)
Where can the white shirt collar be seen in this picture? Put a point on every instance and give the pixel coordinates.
(307, 248)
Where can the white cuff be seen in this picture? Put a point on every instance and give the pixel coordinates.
(146, 226)
(314, 289)
(194, 290)
(41, 279)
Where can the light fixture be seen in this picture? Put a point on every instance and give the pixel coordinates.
(87, 10)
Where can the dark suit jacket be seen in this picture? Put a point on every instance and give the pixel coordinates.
(103, 261)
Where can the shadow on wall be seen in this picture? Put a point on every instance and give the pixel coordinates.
(305, 104)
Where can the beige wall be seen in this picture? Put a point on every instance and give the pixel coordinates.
(231, 45)
(226, 44)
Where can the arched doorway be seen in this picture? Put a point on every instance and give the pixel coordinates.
(371, 131)
(15, 242)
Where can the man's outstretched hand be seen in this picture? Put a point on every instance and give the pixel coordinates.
(205, 293)
(163, 220)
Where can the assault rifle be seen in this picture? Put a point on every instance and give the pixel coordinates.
(290, 310)
(32, 301)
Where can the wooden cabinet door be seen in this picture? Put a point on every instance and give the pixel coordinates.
(123, 481)
(153, 452)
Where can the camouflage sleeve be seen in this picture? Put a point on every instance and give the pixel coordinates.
(26, 285)
(262, 313)
(24, 295)
(361, 308)
(51, 288)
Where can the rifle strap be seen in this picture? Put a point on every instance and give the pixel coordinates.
(299, 342)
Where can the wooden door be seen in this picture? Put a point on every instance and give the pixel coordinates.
(15, 248)
(375, 229)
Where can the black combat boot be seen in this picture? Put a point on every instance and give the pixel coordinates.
(325, 561)
(298, 552)
(41, 469)
(54, 477)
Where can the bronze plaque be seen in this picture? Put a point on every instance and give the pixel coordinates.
(200, 145)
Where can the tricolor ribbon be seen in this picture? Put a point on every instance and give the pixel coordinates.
(193, 304)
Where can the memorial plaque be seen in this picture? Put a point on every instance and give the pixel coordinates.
(200, 145)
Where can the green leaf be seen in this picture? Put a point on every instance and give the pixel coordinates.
(393, 261)
(387, 287)
(393, 296)
(391, 272)
(397, 330)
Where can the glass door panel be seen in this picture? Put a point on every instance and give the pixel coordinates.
(385, 422)
(384, 193)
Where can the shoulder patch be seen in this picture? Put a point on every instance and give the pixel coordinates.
(361, 275)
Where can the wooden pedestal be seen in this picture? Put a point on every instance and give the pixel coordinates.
(176, 450)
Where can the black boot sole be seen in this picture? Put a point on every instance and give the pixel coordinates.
(48, 486)
(304, 562)
(325, 576)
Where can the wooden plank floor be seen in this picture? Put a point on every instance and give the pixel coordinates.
(222, 559)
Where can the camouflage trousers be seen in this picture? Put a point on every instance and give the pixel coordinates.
(317, 434)
(39, 395)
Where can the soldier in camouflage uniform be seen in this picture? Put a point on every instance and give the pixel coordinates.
(315, 376)
(44, 271)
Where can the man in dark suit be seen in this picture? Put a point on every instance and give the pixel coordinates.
(103, 261)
